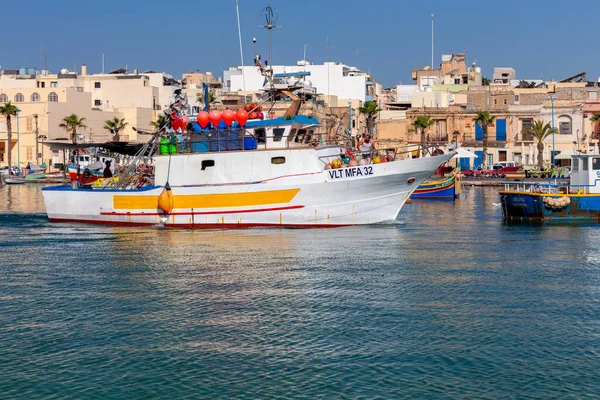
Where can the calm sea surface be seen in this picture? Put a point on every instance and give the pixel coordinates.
(448, 302)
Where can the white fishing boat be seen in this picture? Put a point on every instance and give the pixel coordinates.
(249, 173)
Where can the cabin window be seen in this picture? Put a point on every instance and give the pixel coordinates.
(278, 160)
(585, 164)
(300, 136)
(575, 165)
(596, 163)
(291, 135)
(260, 135)
(308, 136)
(207, 163)
(278, 134)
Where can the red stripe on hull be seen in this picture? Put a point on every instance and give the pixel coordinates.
(201, 212)
(201, 226)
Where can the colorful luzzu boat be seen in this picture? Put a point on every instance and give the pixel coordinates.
(579, 200)
(445, 188)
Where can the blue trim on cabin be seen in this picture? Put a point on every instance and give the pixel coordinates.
(298, 119)
(288, 74)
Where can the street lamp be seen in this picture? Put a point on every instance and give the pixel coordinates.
(552, 157)
(42, 138)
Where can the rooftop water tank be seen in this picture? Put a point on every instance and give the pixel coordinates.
(22, 71)
(30, 71)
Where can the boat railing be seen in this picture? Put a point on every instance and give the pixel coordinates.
(232, 140)
(547, 188)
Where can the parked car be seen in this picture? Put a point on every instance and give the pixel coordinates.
(4, 170)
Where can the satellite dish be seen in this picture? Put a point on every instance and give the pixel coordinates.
(64, 71)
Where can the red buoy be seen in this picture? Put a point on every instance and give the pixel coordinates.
(215, 117)
(203, 119)
(186, 119)
(228, 117)
(241, 116)
(178, 124)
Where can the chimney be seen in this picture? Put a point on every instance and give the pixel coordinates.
(83, 70)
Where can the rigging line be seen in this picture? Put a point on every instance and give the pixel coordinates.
(237, 9)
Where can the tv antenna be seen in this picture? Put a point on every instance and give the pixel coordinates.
(271, 18)
(356, 53)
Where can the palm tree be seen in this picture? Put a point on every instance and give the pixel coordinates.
(484, 119)
(369, 109)
(423, 123)
(595, 119)
(160, 121)
(8, 110)
(540, 131)
(70, 124)
(114, 126)
(212, 98)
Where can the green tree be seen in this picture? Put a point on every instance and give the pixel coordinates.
(8, 110)
(525, 84)
(485, 81)
(212, 98)
(70, 124)
(540, 132)
(485, 120)
(114, 126)
(422, 124)
(160, 121)
(369, 109)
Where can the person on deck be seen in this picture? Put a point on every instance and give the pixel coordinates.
(107, 171)
(366, 146)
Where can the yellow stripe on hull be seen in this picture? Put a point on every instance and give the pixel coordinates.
(196, 201)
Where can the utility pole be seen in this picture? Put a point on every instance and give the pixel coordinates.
(37, 134)
(432, 41)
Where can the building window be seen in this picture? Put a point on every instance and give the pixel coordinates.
(97, 85)
(97, 103)
(43, 85)
(593, 96)
(35, 97)
(505, 102)
(3, 98)
(19, 98)
(53, 97)
(526, 124)
(53, 84)
(564, 125)
(495, 101)
(29, 124)
(516, 98)
(29, 153)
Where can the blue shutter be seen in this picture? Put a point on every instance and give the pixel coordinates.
(478, 131)
(477, 161)
(500, 130)
(465, 164)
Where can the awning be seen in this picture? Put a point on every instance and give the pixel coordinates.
(565, 155)
(464, 153)
(116, 147)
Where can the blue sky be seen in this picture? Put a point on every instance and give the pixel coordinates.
(548, 39)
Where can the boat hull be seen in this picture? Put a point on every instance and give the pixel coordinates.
(442, 189)
(330, 198)
(534, 207)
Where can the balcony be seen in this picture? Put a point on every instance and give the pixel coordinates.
(437, 138)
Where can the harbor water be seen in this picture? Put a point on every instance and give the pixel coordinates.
(446, 302)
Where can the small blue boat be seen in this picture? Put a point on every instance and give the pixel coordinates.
(578, 200)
